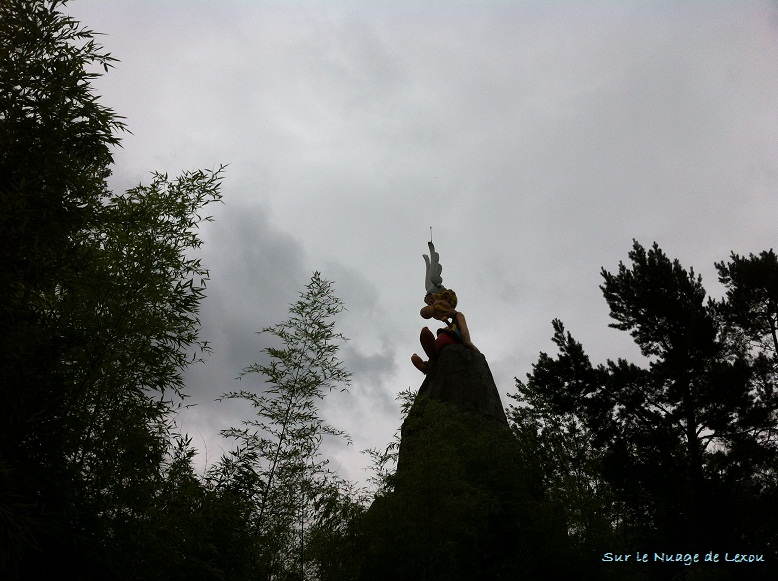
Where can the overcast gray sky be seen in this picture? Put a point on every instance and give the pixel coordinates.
(536, 138)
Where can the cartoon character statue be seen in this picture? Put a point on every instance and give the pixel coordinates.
(440, 304)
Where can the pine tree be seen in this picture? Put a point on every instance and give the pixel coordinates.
(682, 450)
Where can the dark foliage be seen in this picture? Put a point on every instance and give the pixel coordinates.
(467, 504)
(678, 455)
(99, 299)
(298, 504)
(98, 317)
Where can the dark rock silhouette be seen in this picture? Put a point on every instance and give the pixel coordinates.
(466, 502)
(462, 377)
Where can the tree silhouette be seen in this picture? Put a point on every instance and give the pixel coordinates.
(278, 451)
(692, 430)
(98, 316)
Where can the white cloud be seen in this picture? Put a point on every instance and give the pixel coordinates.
(538, 139)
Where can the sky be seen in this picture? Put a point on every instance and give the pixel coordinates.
(537, 139)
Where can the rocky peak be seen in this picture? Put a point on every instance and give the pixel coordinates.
(462, 377)
(466, 502)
